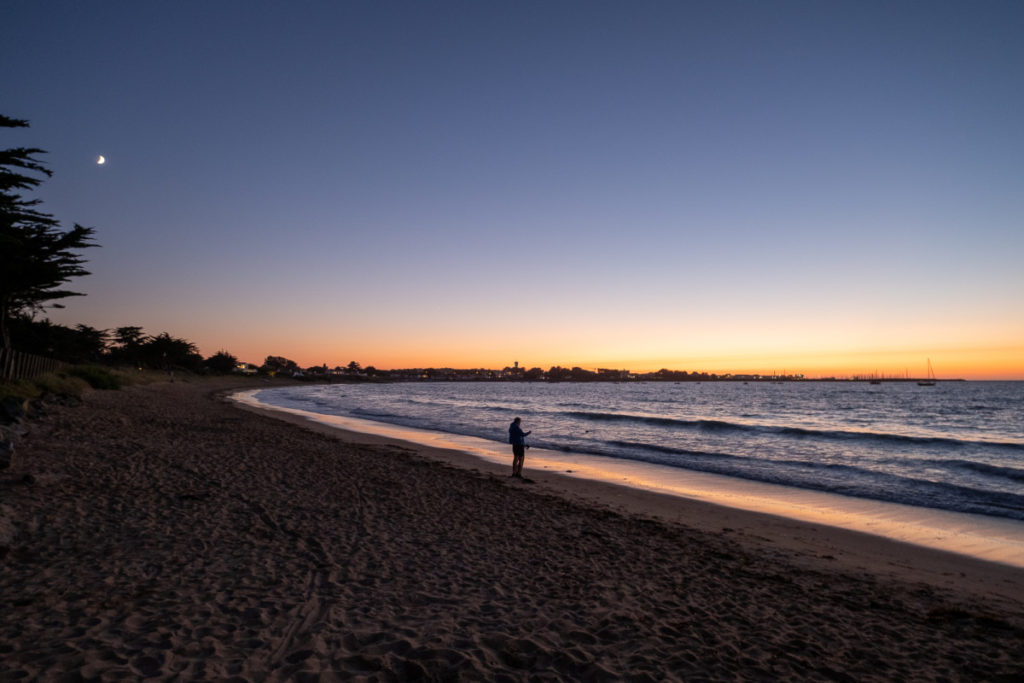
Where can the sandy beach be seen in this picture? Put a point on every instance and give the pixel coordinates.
(165, 532)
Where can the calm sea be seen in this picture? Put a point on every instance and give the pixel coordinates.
(955, 446)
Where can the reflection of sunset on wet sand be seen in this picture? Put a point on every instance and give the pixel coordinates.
(987, 538)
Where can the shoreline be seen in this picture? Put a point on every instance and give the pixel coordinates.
(972, 536)
(164, 531)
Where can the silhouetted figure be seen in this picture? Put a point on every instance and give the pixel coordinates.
(517, 437)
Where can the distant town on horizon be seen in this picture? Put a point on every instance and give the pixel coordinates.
(279, 366)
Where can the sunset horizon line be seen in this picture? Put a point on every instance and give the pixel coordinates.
(947, 369)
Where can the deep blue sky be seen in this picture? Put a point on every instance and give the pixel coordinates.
(720, 185)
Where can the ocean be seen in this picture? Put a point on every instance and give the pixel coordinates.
(955, 446)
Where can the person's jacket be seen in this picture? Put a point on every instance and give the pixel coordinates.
(516, 435)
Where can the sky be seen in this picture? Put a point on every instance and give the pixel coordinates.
(822, 187)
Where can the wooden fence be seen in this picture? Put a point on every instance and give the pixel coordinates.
(21, 365)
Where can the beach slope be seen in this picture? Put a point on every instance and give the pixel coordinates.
(162, 531)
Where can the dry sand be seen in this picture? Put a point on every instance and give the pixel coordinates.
(167, 533)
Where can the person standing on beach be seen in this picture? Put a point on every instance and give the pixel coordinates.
(517, 437)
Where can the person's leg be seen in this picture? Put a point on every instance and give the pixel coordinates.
(518, 455)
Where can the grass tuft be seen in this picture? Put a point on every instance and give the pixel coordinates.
(60, 384)
(97, 377)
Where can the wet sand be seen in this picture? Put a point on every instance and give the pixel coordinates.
(987, 538)
(167, 532)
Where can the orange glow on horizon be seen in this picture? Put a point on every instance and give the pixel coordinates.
(1005, 363)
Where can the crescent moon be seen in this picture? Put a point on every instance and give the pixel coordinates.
(101, 160)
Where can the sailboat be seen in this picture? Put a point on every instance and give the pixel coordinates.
(930, 382)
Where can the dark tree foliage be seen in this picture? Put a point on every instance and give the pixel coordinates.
(221, 362)
(558, 373)
(126, 346)
(128, 337)
(80, 344)
(533, 374)
(36, 257)
(165, 352)
(92, 342)
(275, 365)
(578, 374)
